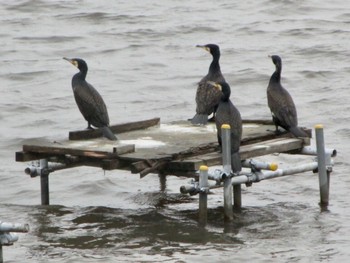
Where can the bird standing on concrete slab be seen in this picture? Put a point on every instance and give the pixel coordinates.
(281, 104)
(207, 97)
(89, 101)
(227, 113)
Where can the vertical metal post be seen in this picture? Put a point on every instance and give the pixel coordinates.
(162, 181)
(237, 196)
(1, 257)
(44, 182)
(203, 196)
(226, 162)
(322, 169)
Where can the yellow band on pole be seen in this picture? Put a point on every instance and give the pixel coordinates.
(318, 126)
(273, 166)
(203, 168)
(225, 126)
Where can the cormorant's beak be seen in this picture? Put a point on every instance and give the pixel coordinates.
(72, 61)
(215, 85)
(204, 47)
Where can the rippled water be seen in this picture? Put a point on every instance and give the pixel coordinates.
(142, 58)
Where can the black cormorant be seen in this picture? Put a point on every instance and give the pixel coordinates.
(208, 97)
(227, 113)
(281, 104)
(89, 101)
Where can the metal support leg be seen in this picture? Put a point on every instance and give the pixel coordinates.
(226, 162)
(237, 196)
(323, 175)
(162, 182)
(1, 257)
(44, 182)
(203, 195)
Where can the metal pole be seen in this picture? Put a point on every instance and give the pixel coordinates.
(322, 169)
(44, 182)
(162, 181)
(260, 165)
(203, 196)
(1, 256)
(226, 162)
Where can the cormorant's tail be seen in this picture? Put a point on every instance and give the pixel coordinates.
(108, 133)
(236, 164)
(200, 119)
(297, 132)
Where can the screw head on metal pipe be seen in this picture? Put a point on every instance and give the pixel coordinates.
(225, 126)
(319, 126)
(203, 168)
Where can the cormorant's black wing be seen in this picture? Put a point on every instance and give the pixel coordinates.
(207, 96)
(282, 107)
(91, 104)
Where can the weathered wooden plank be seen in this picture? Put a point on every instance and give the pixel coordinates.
(178, 146)
(147, 166)
(142, 163)
(87, 152)
(118, 128)
(257, 136)
(256, 121)
(111, 164)
(246, 151)
(22, 156)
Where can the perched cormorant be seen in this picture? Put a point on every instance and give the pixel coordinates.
(281, 104)
(208, 97)
(89, 101)
(227, 113)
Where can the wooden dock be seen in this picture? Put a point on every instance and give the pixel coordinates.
(176, 148)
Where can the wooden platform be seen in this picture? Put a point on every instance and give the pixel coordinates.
(177, 148)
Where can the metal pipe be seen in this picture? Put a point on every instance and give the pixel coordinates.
(218, 175)
(308, 150)
(203, 195)
(226, 147)
(237, 196)
(13, 227)
(322, 169)
(264, 175)
(259, 165)
(258, 176)
(7, 239)
(226, 162)
(44, 182)
(31, 170)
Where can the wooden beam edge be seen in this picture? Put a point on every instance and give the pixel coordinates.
(117, 129)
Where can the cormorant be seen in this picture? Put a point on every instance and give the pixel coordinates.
(281, 104)
(208, 97)
(227, 113)
(89, 101)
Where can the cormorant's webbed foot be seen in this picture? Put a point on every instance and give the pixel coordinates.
(212, 119)
(278, 132)
(89, 127)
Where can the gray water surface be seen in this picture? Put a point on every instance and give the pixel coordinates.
(142, 59)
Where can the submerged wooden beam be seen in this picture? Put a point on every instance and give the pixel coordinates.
(118, 128)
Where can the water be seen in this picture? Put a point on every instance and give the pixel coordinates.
(142, 58)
